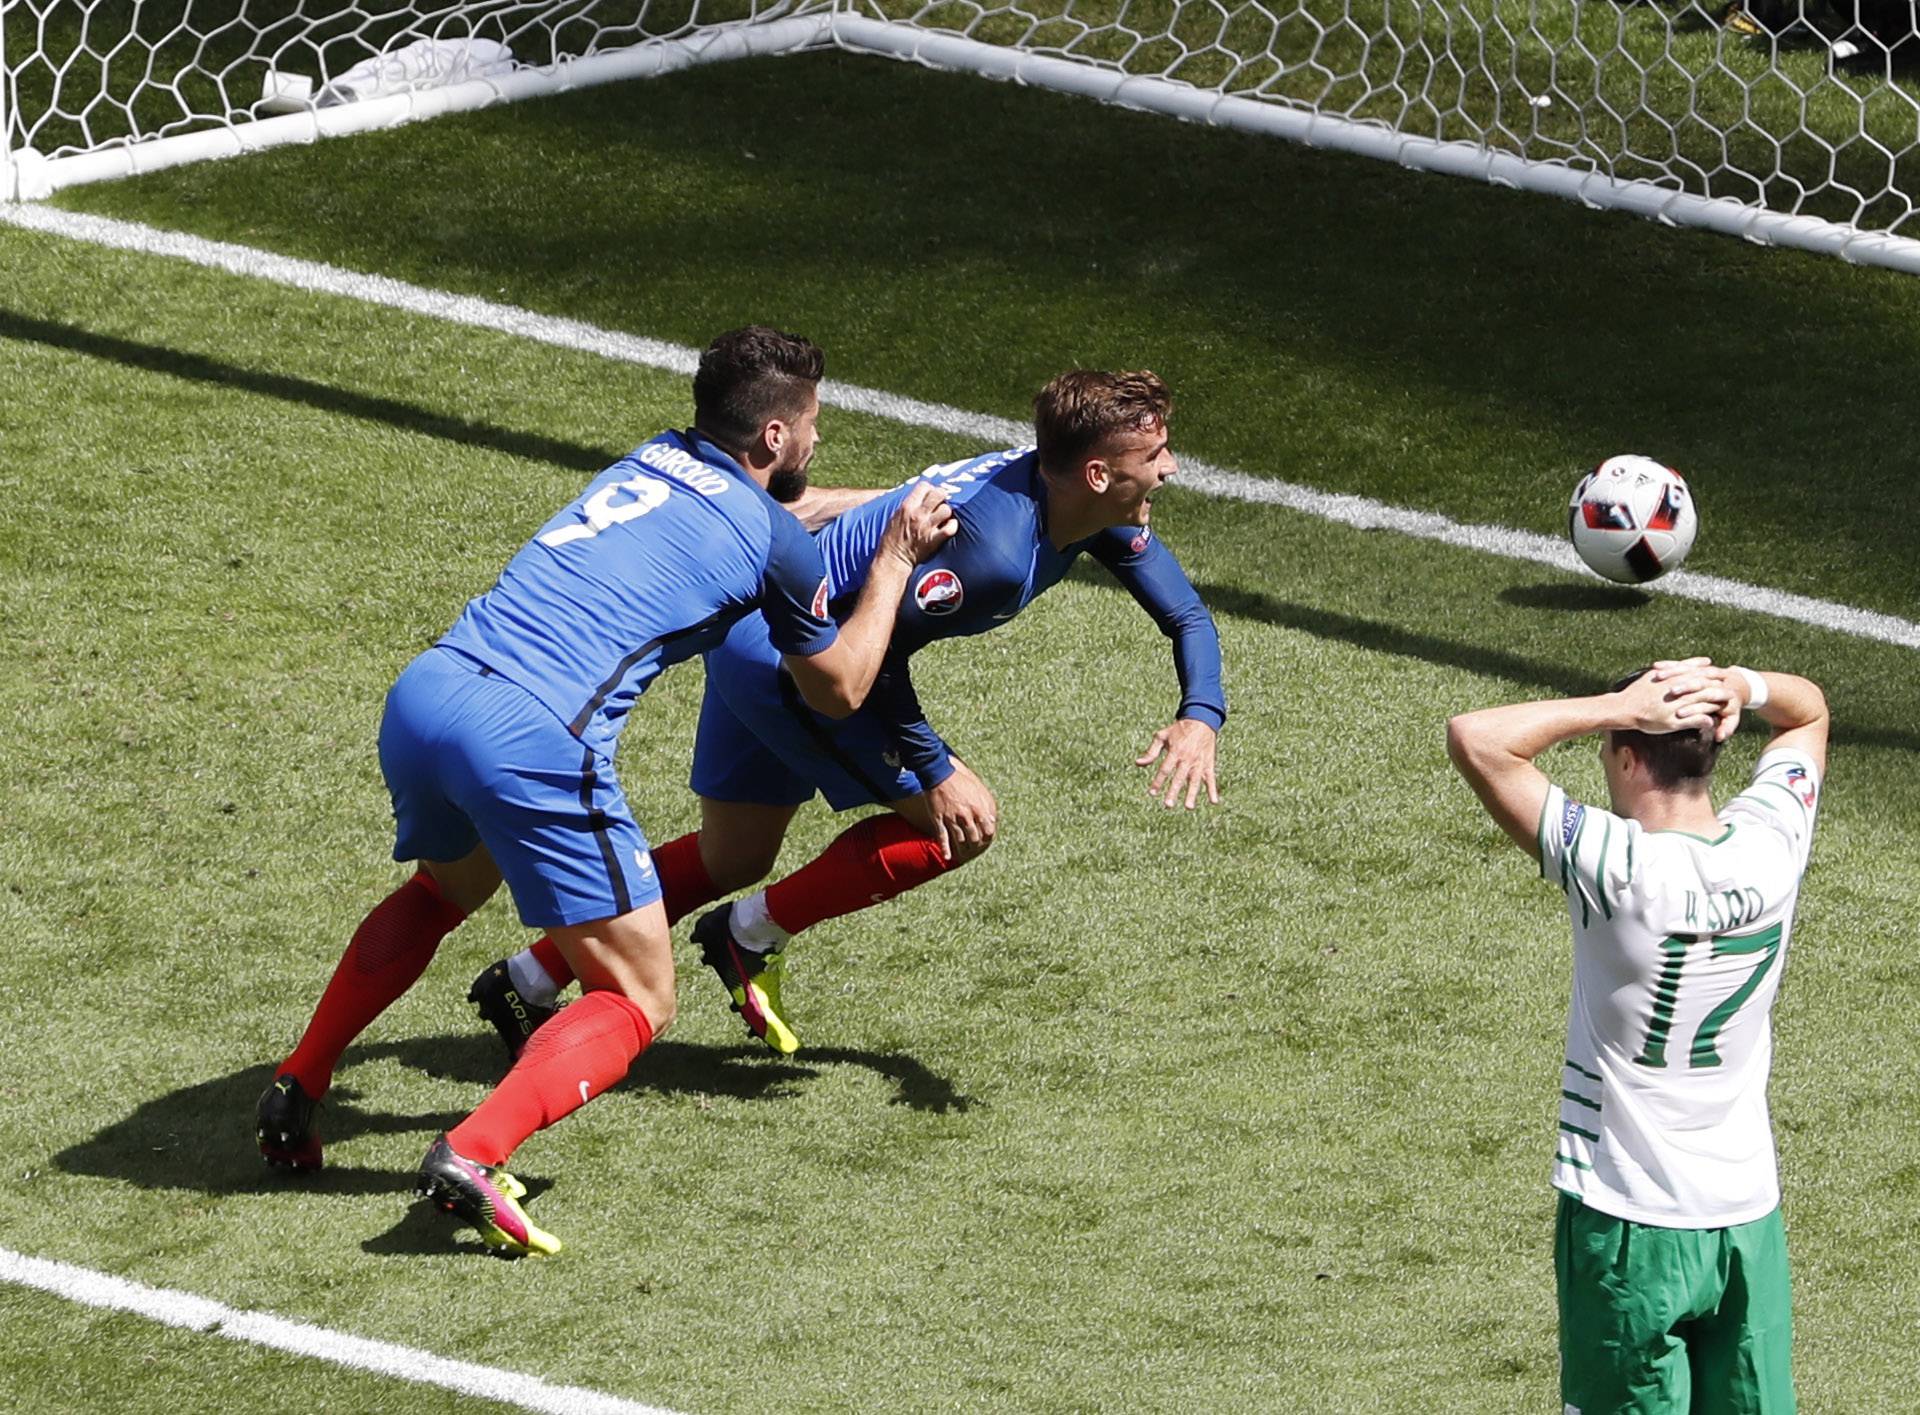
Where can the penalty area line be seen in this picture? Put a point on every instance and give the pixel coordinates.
(199, 1314)
(1356, 511)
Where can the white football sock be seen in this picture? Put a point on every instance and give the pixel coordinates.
(753, 927)
(530, 980)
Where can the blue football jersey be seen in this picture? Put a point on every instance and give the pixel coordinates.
(651, 564)
(997, 563)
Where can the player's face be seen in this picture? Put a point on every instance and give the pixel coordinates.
(788, 478)
(1138, 462)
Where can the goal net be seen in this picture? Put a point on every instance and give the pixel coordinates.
(1787, 121)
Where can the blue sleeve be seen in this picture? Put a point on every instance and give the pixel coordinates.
(1154, 578)
(895, 703)
(793, 592)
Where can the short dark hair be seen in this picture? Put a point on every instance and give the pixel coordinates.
(748, 378)
(1082, 408)
(1672, 758)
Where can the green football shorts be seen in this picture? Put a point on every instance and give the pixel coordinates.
(1667, 1321)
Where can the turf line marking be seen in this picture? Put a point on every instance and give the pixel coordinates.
(1358, 511)
(191, 1313)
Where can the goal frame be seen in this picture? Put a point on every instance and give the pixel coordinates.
(25, 175)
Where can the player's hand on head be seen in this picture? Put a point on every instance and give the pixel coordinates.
(1185, 751)
(1687, 695)
(1737, 693)
(921, 524)
(1728, 720)
(1664, 668)
(1700, 669)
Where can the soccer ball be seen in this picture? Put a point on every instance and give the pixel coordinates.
(1632, 519)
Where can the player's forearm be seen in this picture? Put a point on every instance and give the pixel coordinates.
(1520, 732)
(1160, 587)
(1196, 664)
(821, 504)
(1792, 701)
(865, 634)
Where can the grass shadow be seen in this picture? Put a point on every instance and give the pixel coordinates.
(1560, 680)
(1575, 598)
(200, 368)
(1379, 636)
(200, 1137)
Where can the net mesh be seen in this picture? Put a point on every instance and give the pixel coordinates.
(1802, 108)
(1807, 107)
(79, 75)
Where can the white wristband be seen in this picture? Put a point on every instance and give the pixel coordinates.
(1756, 685)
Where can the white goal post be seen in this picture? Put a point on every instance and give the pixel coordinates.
(1788, 122)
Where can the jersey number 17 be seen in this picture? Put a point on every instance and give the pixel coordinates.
(1666, 995)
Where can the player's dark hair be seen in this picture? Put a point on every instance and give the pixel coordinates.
(750, 377)
(1672, 758)
(1078, 411)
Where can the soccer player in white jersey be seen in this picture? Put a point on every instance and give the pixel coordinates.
(1669, 1253)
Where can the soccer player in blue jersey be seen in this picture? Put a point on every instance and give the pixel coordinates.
(1024, 516)
(497, 747)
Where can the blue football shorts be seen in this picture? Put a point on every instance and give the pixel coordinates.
(470, 757)
(759, 742)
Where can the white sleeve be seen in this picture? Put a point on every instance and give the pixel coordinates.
(1783, 797)
(1588, 852)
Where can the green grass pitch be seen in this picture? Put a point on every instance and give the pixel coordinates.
(1245, 1110)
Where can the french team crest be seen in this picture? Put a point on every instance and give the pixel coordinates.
(939, 592)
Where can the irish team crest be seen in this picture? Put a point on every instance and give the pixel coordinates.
(939, 592)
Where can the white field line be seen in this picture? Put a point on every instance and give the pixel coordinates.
(190, 1313)
(1200, 476)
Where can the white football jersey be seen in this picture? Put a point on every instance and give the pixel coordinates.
(1678, 946)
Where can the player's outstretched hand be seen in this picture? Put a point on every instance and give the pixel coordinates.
(921, 524)
(1184, 750)
(965, 814)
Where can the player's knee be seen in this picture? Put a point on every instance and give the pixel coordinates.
(737, 871)
(466, 883)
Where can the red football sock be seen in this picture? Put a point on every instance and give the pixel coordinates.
(880, 857)
(388, 953)
(582, 1051)
(684, 882)
(684, 887)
